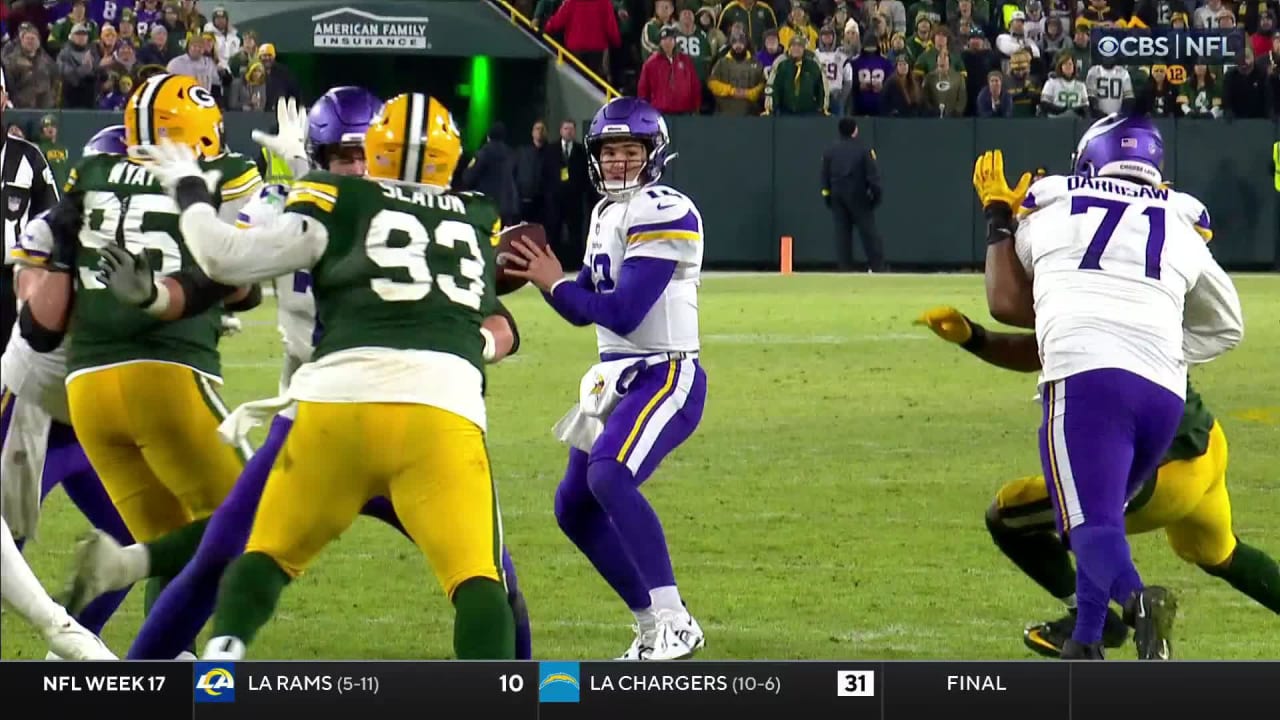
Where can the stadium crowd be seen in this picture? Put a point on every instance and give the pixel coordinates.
(88, 54)
(933, 58)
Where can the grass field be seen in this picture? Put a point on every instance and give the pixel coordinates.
(829, 506)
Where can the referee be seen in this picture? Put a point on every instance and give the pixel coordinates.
(28, 189)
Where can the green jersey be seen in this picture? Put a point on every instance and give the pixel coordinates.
(404, 268)
(126, 206)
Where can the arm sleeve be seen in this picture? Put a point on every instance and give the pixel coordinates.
(641, 282)
(583, 281)
(1213, 322)
(239, 256)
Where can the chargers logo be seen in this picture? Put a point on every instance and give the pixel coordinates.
(215, 683)
(558, 682)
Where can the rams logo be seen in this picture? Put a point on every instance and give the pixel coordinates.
(214, 683)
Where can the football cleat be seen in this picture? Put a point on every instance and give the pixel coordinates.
(1072, 650)
(224, 647)
(1151, 611)
(641, 646)
(100, 568)
(68, 640)
(1048, 638)
(678, 636)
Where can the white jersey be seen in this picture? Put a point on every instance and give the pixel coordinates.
(1116, 266)
(1066, 94)
(295, 303)
(1110, 87)
(656, 222)
(36, 377)
(832, 63)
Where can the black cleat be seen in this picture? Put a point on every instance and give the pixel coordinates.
(1049, 638)
(1151, 612)
(1072, 650)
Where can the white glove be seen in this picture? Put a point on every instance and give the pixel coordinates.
(290, 142)
(231, 325)
(171, 162)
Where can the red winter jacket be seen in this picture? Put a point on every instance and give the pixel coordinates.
(588, 25)
(670, 85)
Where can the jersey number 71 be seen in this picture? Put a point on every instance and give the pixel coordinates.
(1115, 210)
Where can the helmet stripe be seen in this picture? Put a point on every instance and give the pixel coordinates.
(415, 124)
(146, 110)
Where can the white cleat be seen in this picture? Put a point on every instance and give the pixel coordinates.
(224, 647)
(100, 568)
(68, 640)
(186, 656)
(678, 637)
(642, 645)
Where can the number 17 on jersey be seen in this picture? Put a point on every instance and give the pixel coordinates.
(855, 683)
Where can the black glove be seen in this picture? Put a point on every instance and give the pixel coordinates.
(65, 219)
(129, 277)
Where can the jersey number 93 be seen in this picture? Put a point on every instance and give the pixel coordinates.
(398, 243)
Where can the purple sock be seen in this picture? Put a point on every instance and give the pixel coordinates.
(187, 602)
(617, 491)
(1104, 564)
(524, 634)
(585, 523)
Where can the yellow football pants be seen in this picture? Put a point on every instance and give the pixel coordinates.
(431, 463)
(1190, 503)
(150, 430)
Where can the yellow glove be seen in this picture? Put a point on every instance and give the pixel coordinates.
(989, 181)
(947, 323)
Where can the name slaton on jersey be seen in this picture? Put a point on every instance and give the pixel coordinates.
(435, 201)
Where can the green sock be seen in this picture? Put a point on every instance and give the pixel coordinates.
(170, 553)
(1040, 554)
(484, 628)
(247, 596)
(1253, 573)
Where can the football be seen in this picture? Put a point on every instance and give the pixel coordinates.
(534, 233)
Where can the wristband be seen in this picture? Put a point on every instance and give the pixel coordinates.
(999, 222)
(158, 303)
(977, 337)
(490, 345)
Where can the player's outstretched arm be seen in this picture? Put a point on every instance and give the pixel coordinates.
(1011, 351)
(243, 256)
(1009, 296)
(131, 280)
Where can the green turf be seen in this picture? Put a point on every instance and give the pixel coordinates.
(830, 505)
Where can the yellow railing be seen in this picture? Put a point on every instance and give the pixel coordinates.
(562, 54)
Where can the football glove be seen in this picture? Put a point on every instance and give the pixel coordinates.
(289, 142)
(129, 277)
(231, 325)
(947, 323)
(990, 183)
(172, 163)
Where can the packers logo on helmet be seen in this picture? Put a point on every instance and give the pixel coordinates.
(177, 108)
(413, 139)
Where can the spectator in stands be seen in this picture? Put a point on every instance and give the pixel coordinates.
(1062, 12)
(247, 55)
(945, 93)
(756, 17)
(31, 74)
(964, 23)
(693, 42)
(112, 93)
(30, 11)
(921, 41)
(196, 63)
(902, 96)
(940, 45)
(1252, 11)
(623, 58)
(926, 9)
(104, 51)
(798, 87)
(280, 80)
(126, 60)
(567, 209)
(668, 79)
(663, 15)
(1264, 37)
(1064, 94)
(1034, 22)
(55, 153)
(1272, 60)
(1016, 39)
(864, 78)
(192, 19)
(249, 92)
(225, 37)
(156, 51)
(707, 21)
(590, 28)
(978, 59)
(148, 16)
(1079, 49)
(1159, 97)
(536, 165)
(769, 52)
(894, 10)
(127, 28)
(737, 79)
(1201, 97)
(79, 70)
(798, 26)
(61, 30)
(1100, 12)
(851, 40)
(1207, 16)
(177, 31)
(1054, 40)
(1244, 91)
(831, 58)
(15, 130)
(993, 100)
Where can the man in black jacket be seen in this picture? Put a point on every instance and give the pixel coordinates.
(568, 200)
(851, 190)
(28, 189)
(537, 167)
(492, 172)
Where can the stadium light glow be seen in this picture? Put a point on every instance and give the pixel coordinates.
(480, 109)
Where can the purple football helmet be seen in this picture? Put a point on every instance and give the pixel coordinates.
(631, 119)
(107, 141)
(339, 118)
(1127, 146)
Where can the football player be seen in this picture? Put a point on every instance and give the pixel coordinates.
(403, 278)
(140, 383)
(334, 132)
(1187, 498)
(40, 450)
(639, 287)
(1105, 265)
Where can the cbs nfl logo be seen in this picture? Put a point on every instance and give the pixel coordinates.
(1165, 47)
(215, 682)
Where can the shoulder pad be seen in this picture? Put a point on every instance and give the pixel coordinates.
(1043, 192)
(1192, 211)
(660, 213)
(318, 188)
(240, 176)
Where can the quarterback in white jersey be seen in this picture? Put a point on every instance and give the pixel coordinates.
(646, 395)
(1118, 264)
